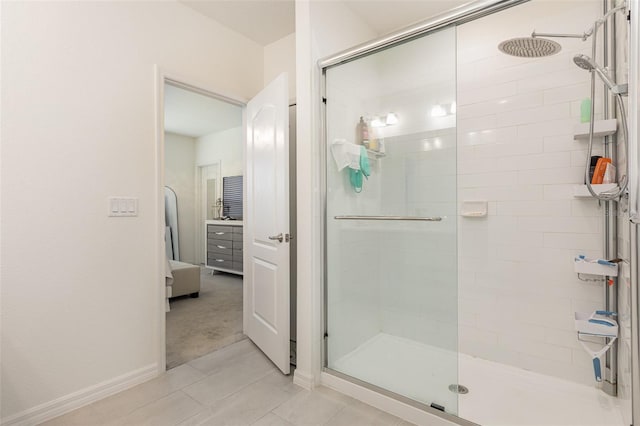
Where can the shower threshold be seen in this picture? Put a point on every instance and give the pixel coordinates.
(498, 395)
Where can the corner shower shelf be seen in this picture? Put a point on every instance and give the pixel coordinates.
(581, 191)
(601, 128)
(375, 154)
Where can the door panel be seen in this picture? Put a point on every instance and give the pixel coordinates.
(266, 301)
(391, 272)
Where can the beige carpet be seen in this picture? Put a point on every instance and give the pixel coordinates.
(196, 327)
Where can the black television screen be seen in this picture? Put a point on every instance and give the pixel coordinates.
(232, 197)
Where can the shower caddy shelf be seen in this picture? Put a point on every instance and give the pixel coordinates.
(583, 265)
(601, 128)
(581, 191)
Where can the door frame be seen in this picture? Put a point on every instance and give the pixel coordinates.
(200, 198)
(158, 293)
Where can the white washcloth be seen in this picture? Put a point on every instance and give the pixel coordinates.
(346, 154)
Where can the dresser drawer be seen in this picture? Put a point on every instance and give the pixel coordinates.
(219, 246)
(220, 234)
(220, 256)
(237, 266)
(220, 263)
(219, 228)
(218, 242)
(237, 238)
(237, 229)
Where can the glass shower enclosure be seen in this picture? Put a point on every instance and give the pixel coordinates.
(391, 238)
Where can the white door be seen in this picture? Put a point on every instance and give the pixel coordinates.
(266, 223)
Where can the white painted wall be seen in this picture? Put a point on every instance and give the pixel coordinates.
(323, 28)
(517, 289)
(280, 56)
(78, 105)
(226, 147)
(179, 169)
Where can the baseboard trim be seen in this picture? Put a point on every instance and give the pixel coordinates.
(49, 410)
(304, 380)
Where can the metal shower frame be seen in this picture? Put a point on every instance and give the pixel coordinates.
(469, 12)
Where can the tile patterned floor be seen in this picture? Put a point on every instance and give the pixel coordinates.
(234, 386)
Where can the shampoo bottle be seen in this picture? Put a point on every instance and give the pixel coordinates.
(363, 132)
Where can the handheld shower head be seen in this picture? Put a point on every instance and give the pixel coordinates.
(586, 63)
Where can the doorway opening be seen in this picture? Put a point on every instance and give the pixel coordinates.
(241, 216)
(203, 152)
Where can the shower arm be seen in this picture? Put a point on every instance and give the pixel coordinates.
(588, 33)
(584, 36)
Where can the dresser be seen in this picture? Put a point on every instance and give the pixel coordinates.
(224, 245)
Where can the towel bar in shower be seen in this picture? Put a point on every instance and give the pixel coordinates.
(412, 218)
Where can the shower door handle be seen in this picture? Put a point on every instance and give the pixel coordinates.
(409, 218)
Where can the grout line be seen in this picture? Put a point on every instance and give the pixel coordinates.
(335, 415)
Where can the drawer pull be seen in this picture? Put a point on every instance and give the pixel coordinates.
(221, 247)
(220, 233)
(220, 260)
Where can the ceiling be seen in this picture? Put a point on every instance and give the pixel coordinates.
(192, 114)
(265, 21)
(384, 16)
(261, 21)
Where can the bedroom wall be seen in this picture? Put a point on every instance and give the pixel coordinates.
(78, 102)
(224, 146)
(179, 175)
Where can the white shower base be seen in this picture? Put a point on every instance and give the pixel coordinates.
(498, 394)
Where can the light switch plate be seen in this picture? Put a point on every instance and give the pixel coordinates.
(123, 206)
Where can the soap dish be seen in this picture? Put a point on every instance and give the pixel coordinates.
(474, 208)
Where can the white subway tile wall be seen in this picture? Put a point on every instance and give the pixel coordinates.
(517, 289)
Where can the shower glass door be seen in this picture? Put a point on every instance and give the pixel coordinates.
(391, 278)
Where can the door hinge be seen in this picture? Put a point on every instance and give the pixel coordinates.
(288, 237)
(324, 100)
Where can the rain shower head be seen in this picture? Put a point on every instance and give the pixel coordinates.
(529, 47)
(586, 63)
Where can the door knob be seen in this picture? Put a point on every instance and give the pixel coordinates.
(278, 237)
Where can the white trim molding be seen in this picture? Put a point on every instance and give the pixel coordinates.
(304, 380)
(52, 409)
(163, 76)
